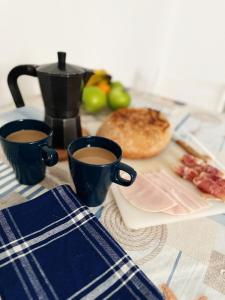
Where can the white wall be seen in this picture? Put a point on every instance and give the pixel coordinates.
(193, 64)
(122, 36)
(174, 48)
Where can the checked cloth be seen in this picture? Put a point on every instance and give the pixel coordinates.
(53, 247)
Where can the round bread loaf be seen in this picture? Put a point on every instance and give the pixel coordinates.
(141, 132)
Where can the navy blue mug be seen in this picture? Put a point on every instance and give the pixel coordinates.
(28, 159)
(93, 181)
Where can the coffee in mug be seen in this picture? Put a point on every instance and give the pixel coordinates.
(27, 146)
(95, 163)
(26, 136)
(94, 155)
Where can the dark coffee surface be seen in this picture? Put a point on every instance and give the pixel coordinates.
(25, 136)
(94, 155)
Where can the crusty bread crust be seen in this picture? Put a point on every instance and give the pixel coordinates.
(141, 132)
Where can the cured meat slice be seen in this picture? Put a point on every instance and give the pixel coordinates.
(206, 178)
(147, 196)
(186, 172)
(187, 200)
(212, 170)
(210, 184)
(191, 161)
(198, 165)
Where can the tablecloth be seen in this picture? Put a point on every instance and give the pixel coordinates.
(188, 256)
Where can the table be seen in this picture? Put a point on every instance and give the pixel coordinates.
(188, 256)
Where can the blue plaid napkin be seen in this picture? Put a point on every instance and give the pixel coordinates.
(54, 248)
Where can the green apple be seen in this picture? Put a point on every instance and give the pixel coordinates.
(117, 85)
(118, 98)
(94, 99)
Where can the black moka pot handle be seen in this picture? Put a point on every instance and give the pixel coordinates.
(12, 81)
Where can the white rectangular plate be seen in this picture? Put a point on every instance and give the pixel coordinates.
(136, 218)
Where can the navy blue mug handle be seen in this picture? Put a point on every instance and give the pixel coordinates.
(49, 155)
(120, 180)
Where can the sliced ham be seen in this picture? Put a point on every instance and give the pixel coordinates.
(160, 192)
(187, 200)
(178, 210)
(193, 200)
(147, 196)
